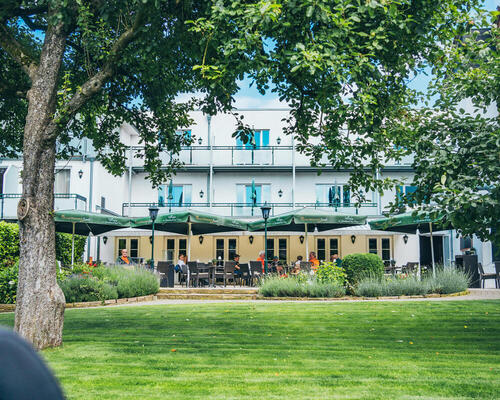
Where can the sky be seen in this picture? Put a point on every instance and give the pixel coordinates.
(249, 97)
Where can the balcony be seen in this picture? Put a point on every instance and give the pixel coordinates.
(244, 210)
(242, 157)
(70, 201)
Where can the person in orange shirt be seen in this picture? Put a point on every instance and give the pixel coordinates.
(124, 257)
(262, 261)
(314, 261)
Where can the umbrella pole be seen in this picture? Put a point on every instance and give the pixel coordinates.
(189, 241)
(432, 251)
(73, 247)
(419, 272)
(307, 245)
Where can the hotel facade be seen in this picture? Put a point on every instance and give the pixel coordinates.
(217, 177)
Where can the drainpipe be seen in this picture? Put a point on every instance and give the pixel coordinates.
(293, 174)
(211, 175)
(130, 181)
(91, 190)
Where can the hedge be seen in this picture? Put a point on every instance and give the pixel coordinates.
(361, 265)
(9, 245)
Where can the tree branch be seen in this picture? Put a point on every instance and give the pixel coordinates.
(33, 25)
(15, 9)
(17, 51)
(8, 90)
(94, 84)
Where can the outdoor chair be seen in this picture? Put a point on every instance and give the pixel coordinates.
(410, 267)
(244, 275)
(255, 268)
(184, 275)
(229, 267)
(163, 271)
(195, 273)
(490, 275)
(305, 266)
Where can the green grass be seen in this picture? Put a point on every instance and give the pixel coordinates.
(379, 350)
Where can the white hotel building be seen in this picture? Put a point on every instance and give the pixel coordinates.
(217, 177)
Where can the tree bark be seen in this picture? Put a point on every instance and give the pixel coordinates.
(40, 302)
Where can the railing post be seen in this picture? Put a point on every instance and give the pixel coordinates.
(272, 161)
(232, 155)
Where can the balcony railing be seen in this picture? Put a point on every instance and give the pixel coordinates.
(241, 156)
(70, 201)
(245, 209)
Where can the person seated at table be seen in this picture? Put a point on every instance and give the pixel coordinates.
(296, 267)
(276, 266)
(262, 260)
(123, 259)
(314, 261)
(237, 269)
(334, 258)
(181, 263)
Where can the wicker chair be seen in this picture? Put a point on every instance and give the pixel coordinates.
(490, 275)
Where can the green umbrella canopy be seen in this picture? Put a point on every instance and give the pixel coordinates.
(201, 223)
(409, 223)
(296, 220)
(88, 222)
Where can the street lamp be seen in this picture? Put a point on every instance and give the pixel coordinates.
(265, 214)
(153, 213)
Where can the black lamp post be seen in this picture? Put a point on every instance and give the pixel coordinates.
(265, 214)
(153, 213)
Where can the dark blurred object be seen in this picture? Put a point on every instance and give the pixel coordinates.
(468, 263)
(23, 374)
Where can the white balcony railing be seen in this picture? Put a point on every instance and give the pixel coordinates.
(70, 201)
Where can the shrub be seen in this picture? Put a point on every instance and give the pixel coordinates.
(9, 244)
(8, 284)
(80, 289)
(130, 283)
(299, 287)
(358, 266)
(448, 280)
(329, 272)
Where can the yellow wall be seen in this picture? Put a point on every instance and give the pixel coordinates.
(249, 251)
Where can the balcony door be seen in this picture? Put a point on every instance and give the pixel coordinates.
(244, 199)
(174, 247)
(254, 151)
(327, 247)
(226, 248)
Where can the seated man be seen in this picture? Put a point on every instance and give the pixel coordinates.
(181, 263)
(262, 260)
(335, 259)
(314, 261)
(123, 259)
(276, 267)
(237, 269)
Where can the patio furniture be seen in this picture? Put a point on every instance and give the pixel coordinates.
(490, 275)
(409, 267)
(197, 272)
(229, 267)
(255, 269)
(166, 271)
(305, 266)
(244, 275)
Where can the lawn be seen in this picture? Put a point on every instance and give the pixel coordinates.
(375, 350)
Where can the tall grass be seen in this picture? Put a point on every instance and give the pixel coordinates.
(447, 280)
(275, 286)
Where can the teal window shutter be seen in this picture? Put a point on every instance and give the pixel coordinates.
(265, 138)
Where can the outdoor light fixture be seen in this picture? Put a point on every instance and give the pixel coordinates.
(153, 214)
(301, 238)
(353, 238)
(265, 214)
(405, 239)
(201, 239)
(280, 193)
(250, 239)
(151, 239)
(105, 239)
(200, 141)
(278, 140)
(80, 174)
(201, 194)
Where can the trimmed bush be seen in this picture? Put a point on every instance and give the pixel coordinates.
(362, 265)
(8, 284)
(448, 280)
(9, 244)
(299, 287)
(329, 272)
(80, 289)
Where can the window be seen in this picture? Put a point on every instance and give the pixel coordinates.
(407, 191)
(333, 195)
(334, 247)
(221, 244)
(283, 249)
(170, 252)
(122, 244)
(2, 171)
(134, 248)
(244, 197)
(270, 248)
(174, 248)
(103, 202)
(231, 248)
(386, 249)
(372, 246)
(320, 249)
(174, 195)
(61, 184)
(259, 139)
(131, 244)
(219, 249)
(186, 133)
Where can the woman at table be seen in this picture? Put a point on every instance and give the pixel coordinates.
(296, 267)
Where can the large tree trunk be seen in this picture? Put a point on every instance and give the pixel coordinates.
(40, 301)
